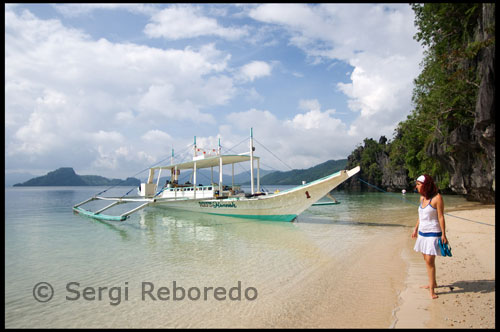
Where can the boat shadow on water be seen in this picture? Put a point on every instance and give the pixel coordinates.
(192, 219)
(162, 228)
(123, 233)
(150, 220)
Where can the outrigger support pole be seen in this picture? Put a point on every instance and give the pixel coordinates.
(84, 202)
(108, 207)
(98, 215)
(134, 210)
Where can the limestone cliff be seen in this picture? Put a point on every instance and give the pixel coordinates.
(470, 153)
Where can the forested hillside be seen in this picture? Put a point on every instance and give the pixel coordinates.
(296, 176)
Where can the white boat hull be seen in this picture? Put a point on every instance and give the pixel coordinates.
(285, 206)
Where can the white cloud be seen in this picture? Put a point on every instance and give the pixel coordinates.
(76, 9)
(381, 93)
(155, 135)
(178, 22)
(302, 141)
(314, 119)
(39, 134)
(113, 137)
(255, 69)
(162, 100)
(73, 98)
(126, 117)
(309, 104)
(376, 39)
(63, 89)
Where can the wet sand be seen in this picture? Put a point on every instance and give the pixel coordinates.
(466, 281)
(362, 296)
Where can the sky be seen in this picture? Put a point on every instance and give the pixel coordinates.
(111, 89)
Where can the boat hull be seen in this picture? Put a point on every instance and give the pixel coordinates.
(282, 206)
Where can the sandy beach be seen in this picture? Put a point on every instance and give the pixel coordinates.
(380, 287)
(466, 281)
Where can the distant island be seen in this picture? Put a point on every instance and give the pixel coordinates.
(66, 176)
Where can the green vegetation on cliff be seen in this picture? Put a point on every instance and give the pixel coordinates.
(446, 90)
(367, 157)
(439, 137)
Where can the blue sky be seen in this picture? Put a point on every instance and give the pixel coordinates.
(110, 89)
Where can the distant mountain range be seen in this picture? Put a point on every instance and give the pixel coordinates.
(296, 176)
(66, 176)
(204, 176)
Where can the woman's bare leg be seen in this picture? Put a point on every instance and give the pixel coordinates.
(431, 272)
(427, 285)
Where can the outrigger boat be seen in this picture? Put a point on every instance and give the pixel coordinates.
(218, 199)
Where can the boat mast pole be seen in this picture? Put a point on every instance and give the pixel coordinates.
(172, 172)
(251, 161)
(158, 180)
(195, 146)
(220, 170)
(194, 169)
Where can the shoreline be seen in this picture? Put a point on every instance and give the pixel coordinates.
(466, 281)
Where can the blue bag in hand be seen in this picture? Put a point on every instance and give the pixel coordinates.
(445, 249)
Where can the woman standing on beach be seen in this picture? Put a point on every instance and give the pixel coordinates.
(430, 227)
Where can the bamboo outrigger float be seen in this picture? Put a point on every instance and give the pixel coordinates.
(218, 199)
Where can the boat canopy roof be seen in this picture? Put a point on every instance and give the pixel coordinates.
(205, 162)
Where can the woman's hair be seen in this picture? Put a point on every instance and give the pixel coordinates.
(429, 188)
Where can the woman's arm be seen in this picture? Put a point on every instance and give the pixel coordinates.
(415, 230)
(440, 211)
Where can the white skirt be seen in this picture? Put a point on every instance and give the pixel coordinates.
(428, 245)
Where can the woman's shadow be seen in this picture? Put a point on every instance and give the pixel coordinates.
(470, 286)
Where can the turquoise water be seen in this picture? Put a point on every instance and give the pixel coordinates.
(107, 274)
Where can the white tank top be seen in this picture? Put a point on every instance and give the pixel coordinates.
(428, 219)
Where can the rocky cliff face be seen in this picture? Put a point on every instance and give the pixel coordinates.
(386, 176)
(484, 125)
(470, 153)
(392, 179)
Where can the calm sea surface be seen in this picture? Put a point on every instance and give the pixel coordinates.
(173, 269)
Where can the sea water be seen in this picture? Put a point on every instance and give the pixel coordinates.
(162, 268)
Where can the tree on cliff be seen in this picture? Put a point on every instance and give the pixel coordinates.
(446, 90)
(440, 136)
(445, 133)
